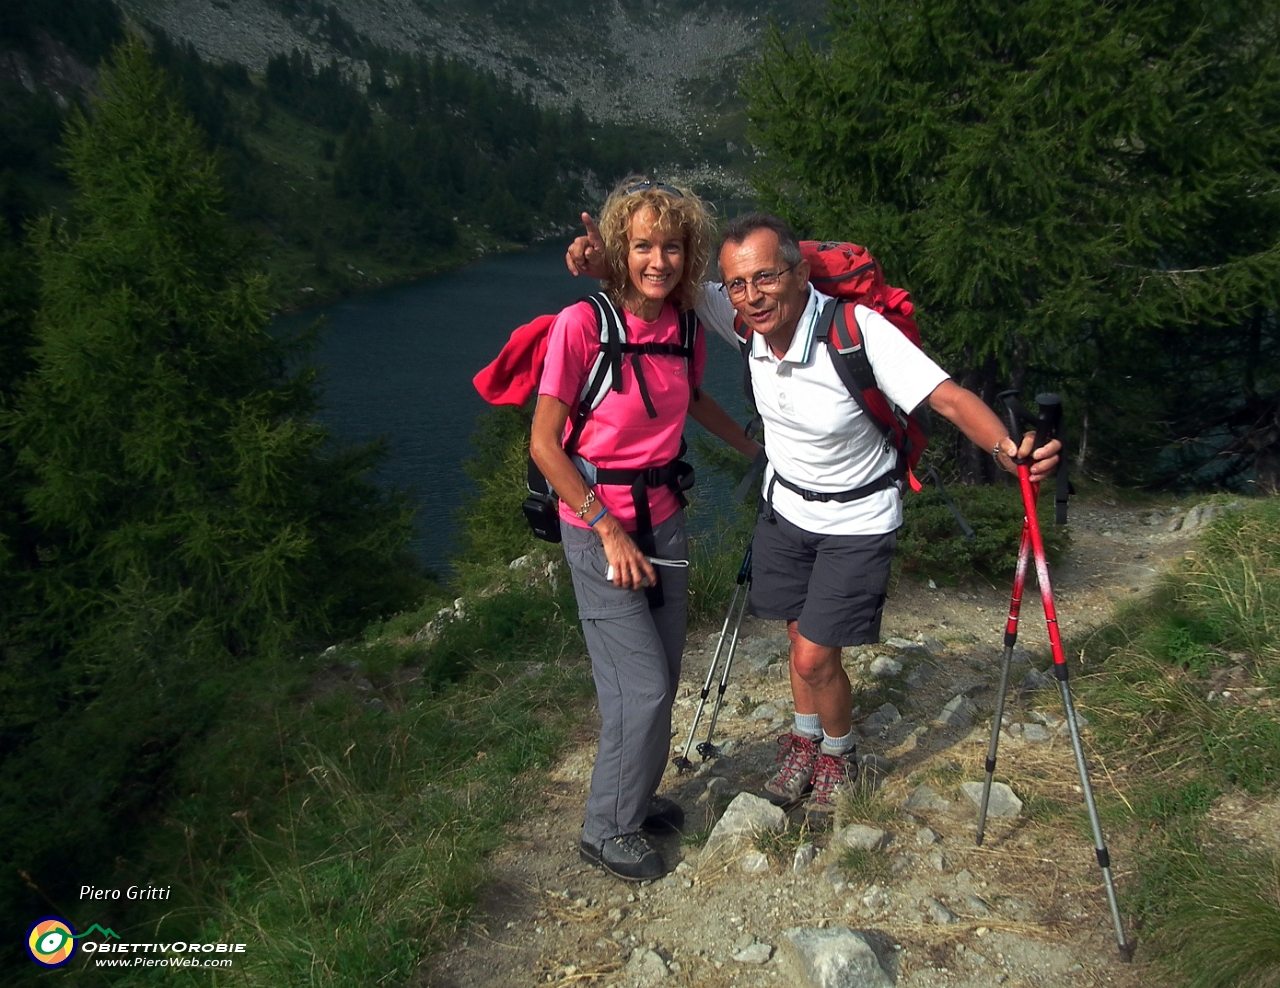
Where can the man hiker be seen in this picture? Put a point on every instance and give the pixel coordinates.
(832, 505)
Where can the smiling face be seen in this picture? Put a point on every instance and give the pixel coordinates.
(655, 261)
(774, 315)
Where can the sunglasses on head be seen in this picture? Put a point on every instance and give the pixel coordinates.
(646, 185)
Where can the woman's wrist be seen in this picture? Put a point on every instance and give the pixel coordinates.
(581, 512)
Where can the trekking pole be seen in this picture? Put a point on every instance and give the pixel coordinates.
(707, 749)
(1010, 639)
(1047, 424)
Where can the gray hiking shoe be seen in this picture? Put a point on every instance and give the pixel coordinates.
(626, 856)
(794, 776)
(663, 816)
(832, 775)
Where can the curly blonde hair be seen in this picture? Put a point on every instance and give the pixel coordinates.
(684, 212)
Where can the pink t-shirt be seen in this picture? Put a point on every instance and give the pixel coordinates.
(619, 435)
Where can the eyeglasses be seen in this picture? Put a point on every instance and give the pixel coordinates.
(646, 185)
(765, 281)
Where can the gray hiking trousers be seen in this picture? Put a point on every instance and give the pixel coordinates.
(635, 659)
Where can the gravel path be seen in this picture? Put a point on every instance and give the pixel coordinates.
(1026, 909)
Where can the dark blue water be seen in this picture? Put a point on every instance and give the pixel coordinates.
(398, 363)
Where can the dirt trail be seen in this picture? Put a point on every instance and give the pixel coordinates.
(1026, 909)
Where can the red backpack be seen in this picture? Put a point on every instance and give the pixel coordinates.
(851, 276)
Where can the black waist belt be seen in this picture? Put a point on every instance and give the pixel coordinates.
(885, 480)
(677, 475)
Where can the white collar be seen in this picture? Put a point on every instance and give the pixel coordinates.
(801, 349)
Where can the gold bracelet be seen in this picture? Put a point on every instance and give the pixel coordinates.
(591, 499)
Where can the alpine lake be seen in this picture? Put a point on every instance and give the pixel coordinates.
(397, 363)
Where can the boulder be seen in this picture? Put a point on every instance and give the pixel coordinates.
(743, 819)
(837, 957)
(860, 837)
(1002, 803)
(959, 712)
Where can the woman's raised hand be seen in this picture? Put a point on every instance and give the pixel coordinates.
(586, 254)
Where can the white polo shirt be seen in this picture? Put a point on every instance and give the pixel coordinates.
(816, 434)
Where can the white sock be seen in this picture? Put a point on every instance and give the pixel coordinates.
(837, 746)
(808, 726)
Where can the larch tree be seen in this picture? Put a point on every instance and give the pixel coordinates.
(189, 519)
(1079, 194)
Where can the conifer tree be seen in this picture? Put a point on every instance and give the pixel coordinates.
(170, 446)
(1077, 193)
(187, 519)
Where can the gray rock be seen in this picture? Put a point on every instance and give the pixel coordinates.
(1002, 804)
(861, 837)
(754, 863)
(1021, 655)
(938, 861)
(959, 712)
(925, 798)
(875, 764)
(804, 857)
(837, 957)
(766, 711)
(907, 647)
(755, 655)
(757, 953)
(1037, 680)
(717, 788)
(1045, 717)
(745, 817)
(939, 913)
(884, 667)
(926, 837)
(1015, 730)
(646, 967)
(884, 716)
(976, 907)
(1035, 732)
(932, 645)
(834, 876)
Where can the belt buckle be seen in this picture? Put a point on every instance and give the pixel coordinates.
(809, 495)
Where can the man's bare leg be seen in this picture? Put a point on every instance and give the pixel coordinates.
(819, 683)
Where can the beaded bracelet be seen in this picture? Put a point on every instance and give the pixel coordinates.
(995, 454)
(592, 522)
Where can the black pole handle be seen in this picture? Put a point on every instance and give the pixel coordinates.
(1048, 422)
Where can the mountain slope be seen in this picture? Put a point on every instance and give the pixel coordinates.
(665, 63)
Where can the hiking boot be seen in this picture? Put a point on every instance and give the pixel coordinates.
(794, 777)
(663, 816)
(627, 856)
(832, 775)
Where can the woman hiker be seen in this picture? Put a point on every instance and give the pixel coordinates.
(619, 486)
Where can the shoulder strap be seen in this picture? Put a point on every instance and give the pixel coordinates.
(689, 326)
(838, 327)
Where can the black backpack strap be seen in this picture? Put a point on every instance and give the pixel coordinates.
(689, 326)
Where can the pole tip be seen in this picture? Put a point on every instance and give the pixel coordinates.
(1126, 952)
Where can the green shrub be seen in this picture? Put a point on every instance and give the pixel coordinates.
(931, 544)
